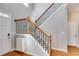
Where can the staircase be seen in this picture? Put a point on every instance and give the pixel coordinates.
(50, 10)
(30, 27)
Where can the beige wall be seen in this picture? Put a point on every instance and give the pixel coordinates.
(73, 12)
(74, 16)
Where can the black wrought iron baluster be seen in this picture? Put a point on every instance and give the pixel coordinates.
(42, 39)
(32, 29)
(45, 42)
(48, 47)
(39, 37)
(37, 34)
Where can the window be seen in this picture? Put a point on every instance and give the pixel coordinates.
(4, 15)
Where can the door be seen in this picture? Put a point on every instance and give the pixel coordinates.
(73, 33)
(4, 35)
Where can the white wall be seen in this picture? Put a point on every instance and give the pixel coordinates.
(39, 9)
(29, 45)
(15, 10)
(56, 25)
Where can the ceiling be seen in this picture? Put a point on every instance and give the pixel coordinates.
(15, 9)
(19, 10)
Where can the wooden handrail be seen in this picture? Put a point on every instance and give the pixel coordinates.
(19, 19)
(45, 11)
(29, 18)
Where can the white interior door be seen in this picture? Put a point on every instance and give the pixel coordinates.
(73, 33)
(4, 35)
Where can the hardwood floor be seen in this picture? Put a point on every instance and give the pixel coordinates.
(16, 53)
(72, 51)
(57, 53)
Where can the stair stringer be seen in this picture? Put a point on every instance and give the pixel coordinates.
(34, 48)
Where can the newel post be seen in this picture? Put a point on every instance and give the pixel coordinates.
(50, 39)
(16, 24)
(28, 25)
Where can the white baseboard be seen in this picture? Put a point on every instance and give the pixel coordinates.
(28, 53)
(31, 53)
(12, 49)
(72, 45)
(7, 52)
(65, 50)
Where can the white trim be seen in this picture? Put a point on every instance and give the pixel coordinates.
(7, 52)
(25, 52)
(66, 51)
(12, 50)
(72, 45)
(31, 53)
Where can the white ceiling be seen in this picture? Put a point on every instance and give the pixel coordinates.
(19, 10)
(16, 9)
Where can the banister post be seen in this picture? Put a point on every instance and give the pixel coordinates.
(16, 24)
(50, 38)
(28, 23)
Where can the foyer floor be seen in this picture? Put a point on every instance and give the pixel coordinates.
(72, 51)
(16, 53)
